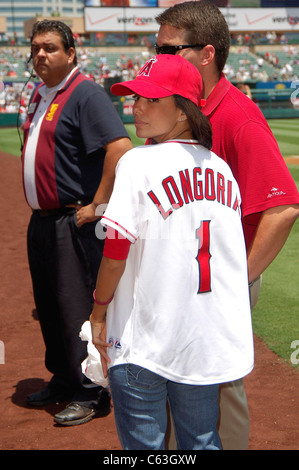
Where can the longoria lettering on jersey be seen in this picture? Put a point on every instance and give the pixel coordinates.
(191, 186)
(196, 187)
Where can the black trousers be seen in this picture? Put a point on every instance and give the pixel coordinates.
(64, 261)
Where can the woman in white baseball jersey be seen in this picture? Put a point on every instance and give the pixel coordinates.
(173, 278)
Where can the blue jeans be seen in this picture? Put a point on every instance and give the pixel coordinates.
(139, 399)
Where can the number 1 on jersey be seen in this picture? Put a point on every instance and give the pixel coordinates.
(203, 257)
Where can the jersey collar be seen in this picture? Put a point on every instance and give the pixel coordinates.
(181, 141)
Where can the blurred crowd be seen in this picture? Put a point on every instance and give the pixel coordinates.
(15, 95)
(15, 68)
(284, 65)
(95, 64)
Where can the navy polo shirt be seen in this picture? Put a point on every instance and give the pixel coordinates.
(69, 156)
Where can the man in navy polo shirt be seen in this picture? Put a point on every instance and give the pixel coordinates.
(73, 138)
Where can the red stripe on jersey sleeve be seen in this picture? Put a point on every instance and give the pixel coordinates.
(120, 226)
(116, 246)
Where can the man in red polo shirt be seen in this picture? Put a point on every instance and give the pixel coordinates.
(241, 136)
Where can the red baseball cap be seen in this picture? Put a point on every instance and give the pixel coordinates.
(164, 75)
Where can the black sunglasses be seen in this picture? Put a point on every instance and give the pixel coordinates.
(174, 49)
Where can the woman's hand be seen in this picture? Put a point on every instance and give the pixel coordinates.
(98, 330)
(85, 214)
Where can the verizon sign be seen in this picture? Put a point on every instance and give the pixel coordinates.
(121, 19)
(262, 19)
(101, 19)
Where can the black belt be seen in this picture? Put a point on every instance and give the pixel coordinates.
(55, 212)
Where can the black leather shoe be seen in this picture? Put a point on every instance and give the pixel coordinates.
(75, 414)
(46, 397)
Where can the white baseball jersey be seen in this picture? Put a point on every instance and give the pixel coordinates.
(182, 307)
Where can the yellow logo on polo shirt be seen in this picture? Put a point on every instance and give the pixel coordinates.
(50, 114)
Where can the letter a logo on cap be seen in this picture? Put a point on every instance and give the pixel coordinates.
(147, 67)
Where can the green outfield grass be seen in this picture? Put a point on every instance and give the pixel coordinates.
(286, 134)
(284, 130)
(10, 142)
(275, 317)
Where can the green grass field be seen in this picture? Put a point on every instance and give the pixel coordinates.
(276, 315)
(284, 130)
(10, 142)
(286, 134)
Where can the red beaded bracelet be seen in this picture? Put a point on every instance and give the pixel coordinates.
(101, 303)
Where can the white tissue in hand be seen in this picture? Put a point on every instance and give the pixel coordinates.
(92, 366)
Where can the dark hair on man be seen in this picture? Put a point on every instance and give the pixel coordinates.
(203, 23)
(54, 26)
(198, 122)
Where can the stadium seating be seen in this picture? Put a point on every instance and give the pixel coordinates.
(243, 65)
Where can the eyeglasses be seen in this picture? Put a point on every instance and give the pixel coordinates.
(174, 49)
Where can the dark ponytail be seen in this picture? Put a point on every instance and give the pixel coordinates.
(199, 123)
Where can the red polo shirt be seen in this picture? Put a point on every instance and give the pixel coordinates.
(242, 137)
